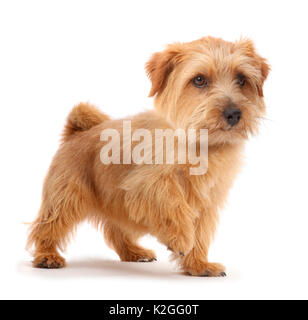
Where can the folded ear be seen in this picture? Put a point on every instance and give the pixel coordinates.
(160, 66)
(249, 49)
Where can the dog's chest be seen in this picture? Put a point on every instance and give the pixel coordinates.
(211, 189)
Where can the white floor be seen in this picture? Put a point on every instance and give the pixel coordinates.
(96, 273)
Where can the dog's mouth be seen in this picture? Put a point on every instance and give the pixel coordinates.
(229, 128)
(220, 131)
(228, 134)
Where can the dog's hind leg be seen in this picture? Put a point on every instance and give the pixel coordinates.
(125, 244)
(62, 209)
(48, 236)
(47, 239)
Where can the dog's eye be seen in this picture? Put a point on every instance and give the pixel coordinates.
(200, 81)
(241, 80)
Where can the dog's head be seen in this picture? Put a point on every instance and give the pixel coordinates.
(210, 84)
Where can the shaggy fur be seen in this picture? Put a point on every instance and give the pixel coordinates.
(129, 201)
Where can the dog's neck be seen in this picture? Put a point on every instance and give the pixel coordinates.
(166, 105)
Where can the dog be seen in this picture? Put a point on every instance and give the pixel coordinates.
(206, 84)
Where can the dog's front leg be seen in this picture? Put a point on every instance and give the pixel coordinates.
(177, 232)
(173, 224)
(196, 262)
(162, 208)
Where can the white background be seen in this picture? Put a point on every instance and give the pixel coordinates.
(54, 54)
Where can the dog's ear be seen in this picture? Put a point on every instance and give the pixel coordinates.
(249, 49)
(160, 66)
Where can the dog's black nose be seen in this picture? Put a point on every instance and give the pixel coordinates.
(232, 115)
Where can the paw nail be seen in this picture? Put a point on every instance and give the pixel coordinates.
(205, 275)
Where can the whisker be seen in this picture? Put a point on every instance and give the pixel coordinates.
(264, 118)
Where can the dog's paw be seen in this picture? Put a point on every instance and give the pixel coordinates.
(208, 270)
(49, 262)
(178, 253)
(146, 259)
(181, 247)
(139, 254)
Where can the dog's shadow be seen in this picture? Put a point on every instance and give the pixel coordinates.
(91, 268)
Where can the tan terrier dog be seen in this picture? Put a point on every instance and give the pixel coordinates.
(205, 84)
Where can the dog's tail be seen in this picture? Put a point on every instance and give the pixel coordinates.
(82, 117)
